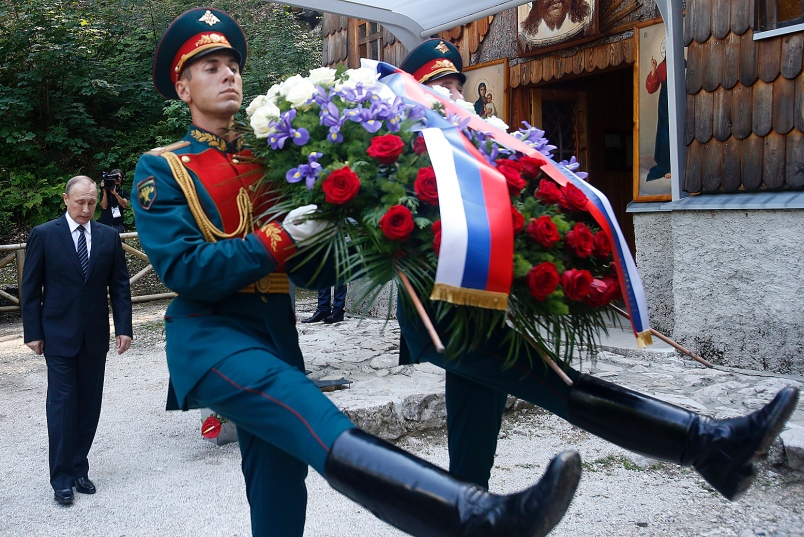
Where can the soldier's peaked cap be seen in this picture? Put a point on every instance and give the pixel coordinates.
(434, 59)
(195, 33)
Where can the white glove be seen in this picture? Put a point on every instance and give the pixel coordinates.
(301, 228)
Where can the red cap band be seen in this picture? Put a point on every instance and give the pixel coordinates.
(434, 68)
(194, 45)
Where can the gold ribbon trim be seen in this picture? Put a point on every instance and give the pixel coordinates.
(210, 231)
(470, 297)
(644, 339)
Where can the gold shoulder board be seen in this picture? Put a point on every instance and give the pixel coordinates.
(172, 147)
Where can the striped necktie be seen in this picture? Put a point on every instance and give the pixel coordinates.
(83, 256)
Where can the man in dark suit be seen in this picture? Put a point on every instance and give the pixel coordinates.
(70, 263)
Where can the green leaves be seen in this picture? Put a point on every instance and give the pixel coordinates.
(76, 89)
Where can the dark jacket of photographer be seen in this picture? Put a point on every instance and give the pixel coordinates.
(113, 201)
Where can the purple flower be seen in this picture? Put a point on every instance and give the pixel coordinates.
(535, 138)
(485, 144)
(335, 135)
(458, 121)
(366, 117)
(309, 172)
(285, 130)
(330, 115)
(321, 97)
(416, 111)
(572, 164)
(391, 113)
(355, 94)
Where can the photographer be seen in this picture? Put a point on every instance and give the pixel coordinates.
(113, 200)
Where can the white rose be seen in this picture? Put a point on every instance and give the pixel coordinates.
(323, 76)
(432, 102)
(366, 77)
(286, 86)
(498, 123)
(258, 101)
(300, 92)
(273, 93)
(261, 120)
(441, 91)
(469, 107)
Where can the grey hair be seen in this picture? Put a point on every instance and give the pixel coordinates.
(75, 180)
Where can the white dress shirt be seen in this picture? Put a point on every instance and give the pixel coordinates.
(74, 232)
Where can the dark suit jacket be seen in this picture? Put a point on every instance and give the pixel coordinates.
(62, 306)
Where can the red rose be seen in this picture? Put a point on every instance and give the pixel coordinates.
(397, 224)
(437, 236)
(544, 231)
(386, 148)
(572, 199)
(211, 427)
(576, 283)
(548, 192)
(425, 186)
(510, 170)
(340, 186)
(602, 291)
(519, 220)
(602, 245)
(419, 146)
(542, 280)
(597, 293)
(531, 166)
(580, 240)
(613, 288)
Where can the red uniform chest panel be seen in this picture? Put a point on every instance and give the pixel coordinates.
(223, 176)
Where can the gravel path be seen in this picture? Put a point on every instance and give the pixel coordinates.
(156, 476)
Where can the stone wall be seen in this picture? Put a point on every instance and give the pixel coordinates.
(728, 285)
(381, 307)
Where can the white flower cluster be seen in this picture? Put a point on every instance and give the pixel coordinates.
(298, 91)
(497, 123)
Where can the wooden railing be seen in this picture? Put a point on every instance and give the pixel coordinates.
(15, 254)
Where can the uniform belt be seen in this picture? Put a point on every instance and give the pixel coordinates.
(276, 282)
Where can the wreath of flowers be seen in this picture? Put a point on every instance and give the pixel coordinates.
(336, 139)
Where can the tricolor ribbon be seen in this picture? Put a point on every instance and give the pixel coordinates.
(404, 85)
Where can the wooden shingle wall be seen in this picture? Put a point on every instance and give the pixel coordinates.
(335, 34)
(587, 60)
(745, 102)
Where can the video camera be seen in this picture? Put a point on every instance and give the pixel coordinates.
(108, 180)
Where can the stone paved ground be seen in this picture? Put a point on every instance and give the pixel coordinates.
(157, 477)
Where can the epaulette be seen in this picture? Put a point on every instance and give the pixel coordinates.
(172, 147)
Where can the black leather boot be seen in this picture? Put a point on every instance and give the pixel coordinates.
(336, 317)
(722, 451)
(425, 501)
(318, 316)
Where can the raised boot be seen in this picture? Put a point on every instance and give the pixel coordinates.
(722, 451)
(425, 501)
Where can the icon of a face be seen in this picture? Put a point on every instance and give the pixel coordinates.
(554, 12)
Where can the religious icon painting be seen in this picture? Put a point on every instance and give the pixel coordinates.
(652, 174)
(487, 88)
(544, 25)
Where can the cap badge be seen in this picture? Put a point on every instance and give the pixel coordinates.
(442, 47)
(209, 18)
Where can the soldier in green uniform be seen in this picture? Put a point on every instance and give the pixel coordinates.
(477, 386)
(232, 343)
